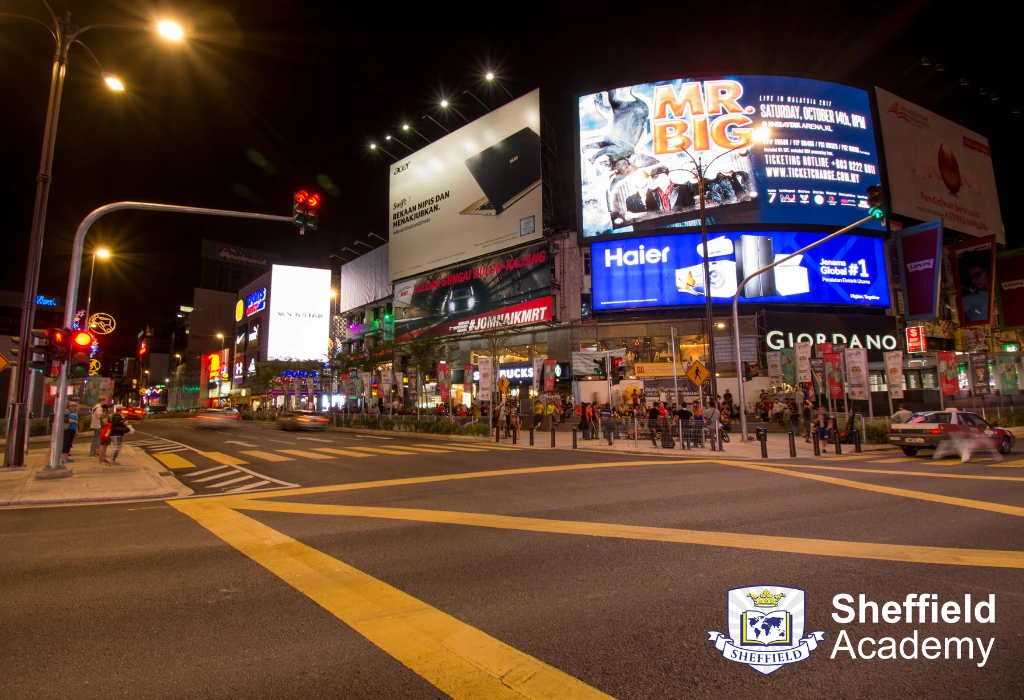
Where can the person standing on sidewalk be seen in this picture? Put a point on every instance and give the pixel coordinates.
(118, 429)
(70, 430)
(807, 413)
(653, 416)
(104, 433)
(95, 423)
(712, 417)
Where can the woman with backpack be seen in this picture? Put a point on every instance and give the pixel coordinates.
(118, 429)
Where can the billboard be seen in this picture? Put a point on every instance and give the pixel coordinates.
(667, 270)
(473, 192)
(973, 267)
(919, 251)
(1010, 289)
(298, 324)
(938, 168)
(461, 298)
(364, 280)
(637, 145)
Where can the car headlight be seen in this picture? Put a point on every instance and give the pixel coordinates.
(451, 306)
(471, 303)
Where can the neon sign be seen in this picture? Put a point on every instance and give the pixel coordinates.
(256, 302)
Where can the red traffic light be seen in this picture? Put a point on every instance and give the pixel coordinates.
(142, 348)
(312, 202)
(82, 339)
(301, 197)
(56, 336)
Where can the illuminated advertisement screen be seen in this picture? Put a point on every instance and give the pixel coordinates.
(638, 145)
(256, 302)
(300, 310)
(668, 270)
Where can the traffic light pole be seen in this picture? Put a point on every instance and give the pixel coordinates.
(736, 313)
(55, 469)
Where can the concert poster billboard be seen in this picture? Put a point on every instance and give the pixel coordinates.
(472, 192)
(637, 147)
(973, 267)
(509, 289)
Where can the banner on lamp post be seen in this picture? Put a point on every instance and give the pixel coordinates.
(857, 373)
(977, 362)
(400, 385)
(538, 373)
(774, 367)
(803, 362)
(413, 376)
(788, 366)
(834, 374)
(385, 385)
(818, 375)
(550, 367)
(467, 379)
(919, 250)
(367, 387)
(444, 381)
(485, 365)
(894, 373)
(946, 363)
(1007, 369)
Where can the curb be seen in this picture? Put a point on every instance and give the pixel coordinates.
(410, 433)
(145, 459)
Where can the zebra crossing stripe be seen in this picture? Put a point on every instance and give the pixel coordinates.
(244, 477)
(249, 487)
(223, 458)
(173, 461)
(307, 455)
(346, 453)
(268, 456)
(216, 476)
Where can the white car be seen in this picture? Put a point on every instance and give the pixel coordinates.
(926, 430)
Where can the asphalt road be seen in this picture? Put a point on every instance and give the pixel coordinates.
(543, 573)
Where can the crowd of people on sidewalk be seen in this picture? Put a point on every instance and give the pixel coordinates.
(108, 426)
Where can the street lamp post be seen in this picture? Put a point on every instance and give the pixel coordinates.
(64, 34)
(103, 253)
(757, 136)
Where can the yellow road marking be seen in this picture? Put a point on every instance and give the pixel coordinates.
(336, 451)
(794, 545)
(897, 459)
(383, 450)
(1009, 465)
(867, 470)
(268, 456)
(458, 659)
(304, 453)
(223, 458)
(468, 475)
(906, 493)
(173, 461)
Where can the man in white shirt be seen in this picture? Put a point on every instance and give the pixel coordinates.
(95, 423)
(902, 415)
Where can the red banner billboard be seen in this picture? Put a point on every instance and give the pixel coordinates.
(919, 249)
(834, 373)
(973, 267)
(524, 314)
(948, 373)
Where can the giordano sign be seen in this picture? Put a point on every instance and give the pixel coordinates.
(876, 334)
(777, 340)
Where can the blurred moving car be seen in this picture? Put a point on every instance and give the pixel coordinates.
(217, 418)
(303, 420)
(928, 429)
(134, 413)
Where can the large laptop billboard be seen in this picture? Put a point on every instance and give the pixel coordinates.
(475, 191)
(637, 147)
(666, 271)
(937, 168)
(511, 288)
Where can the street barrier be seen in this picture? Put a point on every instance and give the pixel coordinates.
(835, 435)
(792, 444)
(552, 435)
(856, 441)
(762, 437)
(574, 438)
(817, 443)
(531, 436)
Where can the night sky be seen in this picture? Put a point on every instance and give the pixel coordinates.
(265, 96)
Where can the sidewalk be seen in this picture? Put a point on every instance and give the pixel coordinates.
(778, 447)
(138, 476)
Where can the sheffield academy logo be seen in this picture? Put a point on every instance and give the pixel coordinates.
(766, 628)
(900, 114)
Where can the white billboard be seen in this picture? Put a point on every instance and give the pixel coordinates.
(364, 280)
(300, 313)
(473, 192)
(938, 169)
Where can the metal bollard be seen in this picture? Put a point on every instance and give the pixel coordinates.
(711, 440)
(762, 436)
(792, 444)
(839, 448)
(856, 442)
(531, 435)
(515, 432)
(552, 435)
(497, 433)
(574, 438)
(817, 443)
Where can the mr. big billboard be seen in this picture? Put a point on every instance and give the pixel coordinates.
(638, 147)
(513, 288)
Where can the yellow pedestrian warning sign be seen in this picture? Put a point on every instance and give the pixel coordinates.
(4, 363)
(503, 384)
(697, 373)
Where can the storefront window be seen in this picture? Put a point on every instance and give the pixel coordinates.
(512, 353)
(913, 378)
(876, 381)
(929, 379)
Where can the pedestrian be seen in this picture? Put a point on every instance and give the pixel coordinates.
(95, 423)
(698, 424)
(70, 430)
(118, 429)
(653, 416)
(807, 414)
(587, 418)
(712, 417)
(104, 432)
(902, 415)
(685, 417)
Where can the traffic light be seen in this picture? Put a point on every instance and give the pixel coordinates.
(37, 358)
(875, 206)
(142, 348)
(312, 211)
(58, 343)
(749, 371)
(601, 366)
(618, 369)
(299, 208)
(81, 353)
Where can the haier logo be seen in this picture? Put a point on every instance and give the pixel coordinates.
(650, 256)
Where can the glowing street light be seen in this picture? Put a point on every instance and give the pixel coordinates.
(113, 82)
(444, 103)
(489, 76)
(103, 254)
(170, 30)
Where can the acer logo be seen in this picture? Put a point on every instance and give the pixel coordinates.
(513, 160)
(401, 168)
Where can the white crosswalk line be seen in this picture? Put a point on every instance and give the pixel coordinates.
(314, 439)
(211, 469)
(173, 449)
(248, 487)
(233, 481)
(216, 476)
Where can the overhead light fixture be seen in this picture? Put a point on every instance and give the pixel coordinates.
(925, 62)
(113, 82)
(170, 30)
(444, 103)
(964, 82)
(405, 127)
(387, 138)
(489, 76)
(373, 146)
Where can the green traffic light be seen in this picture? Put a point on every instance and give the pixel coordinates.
(877, 213)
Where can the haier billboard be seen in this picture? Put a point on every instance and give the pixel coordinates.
(668, 270)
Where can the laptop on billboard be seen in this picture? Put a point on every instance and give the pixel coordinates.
(506, 172)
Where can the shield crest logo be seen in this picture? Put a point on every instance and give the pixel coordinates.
(766, 628)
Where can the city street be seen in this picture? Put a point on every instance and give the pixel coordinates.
(428, 568)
